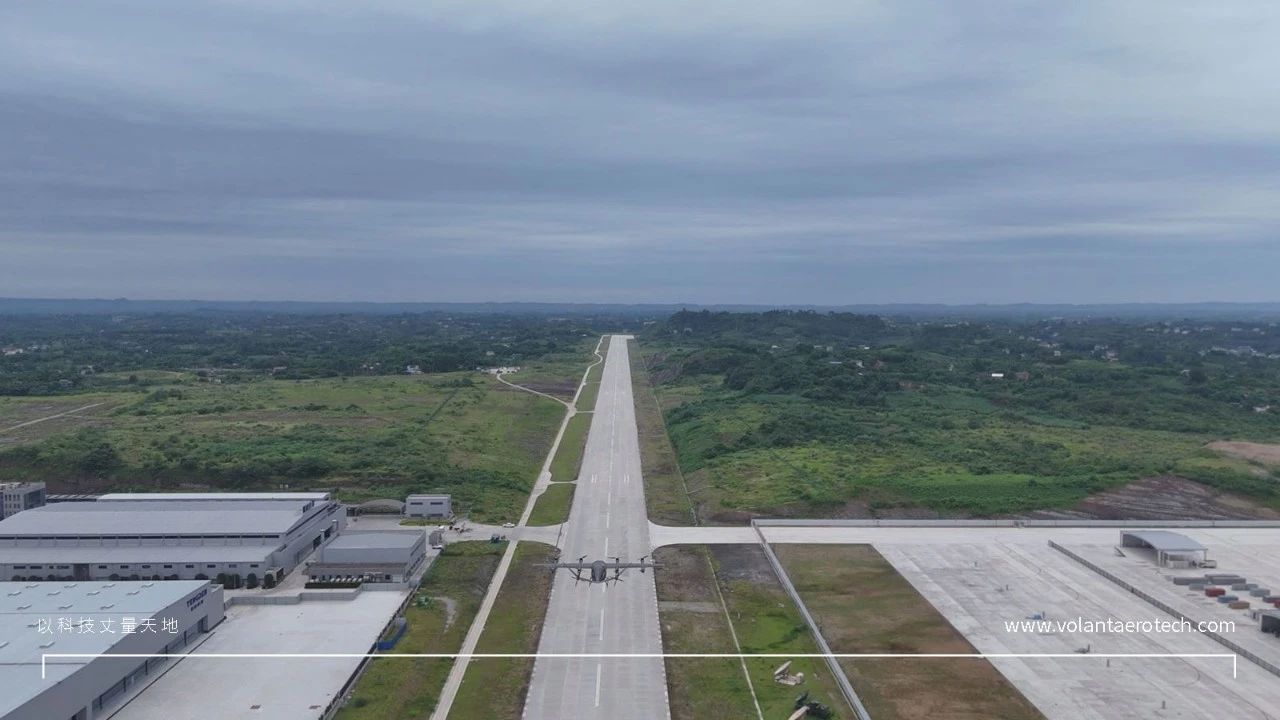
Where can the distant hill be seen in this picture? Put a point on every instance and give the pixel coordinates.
(69, 306)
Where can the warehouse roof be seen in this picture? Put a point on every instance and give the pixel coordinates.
(29, 615)
(163, 554)
(1164, 540)
(380, 539)
(144, 518)
(220, 496)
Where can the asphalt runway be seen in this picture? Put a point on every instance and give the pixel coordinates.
(607, 520)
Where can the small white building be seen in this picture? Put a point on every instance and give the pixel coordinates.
(433, 507)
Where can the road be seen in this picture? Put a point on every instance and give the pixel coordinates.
(607, 519)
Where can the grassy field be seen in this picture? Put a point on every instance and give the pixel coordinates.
(568, 459)
(693, 621)
(666, 498)
(552, 506)
(765, 621)
(864, 606)
(496, 688)
(386, 436)
(942, 450)
(587, 400)
(438, 619)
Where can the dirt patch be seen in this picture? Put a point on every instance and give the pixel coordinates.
(693, 607)
(1164, 497)
(1268, 454)
(685, 575)
(743, 562)
(450, 609)
(563, 390)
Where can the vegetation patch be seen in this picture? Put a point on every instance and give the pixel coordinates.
(666, 496)
(864, 606)
(496, 688)
(438, 617)
(552, 506)
(568, 460)
(804, 414)
(697, 687)
(766, 621)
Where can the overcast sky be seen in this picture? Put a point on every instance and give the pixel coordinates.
(711, 151)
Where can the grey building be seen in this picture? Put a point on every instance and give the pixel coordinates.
(435, 507)
(16, 497)
(97, 620)
(380, 556)
(193, 538)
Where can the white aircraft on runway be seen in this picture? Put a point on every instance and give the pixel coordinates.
(600, 570)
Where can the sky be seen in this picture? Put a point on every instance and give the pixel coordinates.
(724, 151)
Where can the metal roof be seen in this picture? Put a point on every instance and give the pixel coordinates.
(1165, 540)
(129, 519)
(24, 605)
(219, 496)
(162, 554)
(379, 539)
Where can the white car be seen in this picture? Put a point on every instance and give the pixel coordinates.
(508, 525)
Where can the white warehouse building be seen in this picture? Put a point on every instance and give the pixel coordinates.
(167, 536)
(97, 620)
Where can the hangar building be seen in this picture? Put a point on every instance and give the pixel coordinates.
(90, 618)
(383, 556)
(170, 537)
(1171, 549)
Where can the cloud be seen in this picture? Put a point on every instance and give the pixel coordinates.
(753, 152)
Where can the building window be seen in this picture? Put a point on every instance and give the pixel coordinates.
(168, 567)
(191, 567)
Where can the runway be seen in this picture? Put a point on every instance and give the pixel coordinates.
(607, 519)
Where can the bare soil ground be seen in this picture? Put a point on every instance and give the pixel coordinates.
(24, 420)
(1268, 454)
(864, 606)
(563, 390)
(1165, 497)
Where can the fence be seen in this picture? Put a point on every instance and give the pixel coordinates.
(1229, 644)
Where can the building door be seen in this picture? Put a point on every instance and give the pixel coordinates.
(81, 571)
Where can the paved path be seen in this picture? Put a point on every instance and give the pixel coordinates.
(607, 519)
(52, 417)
